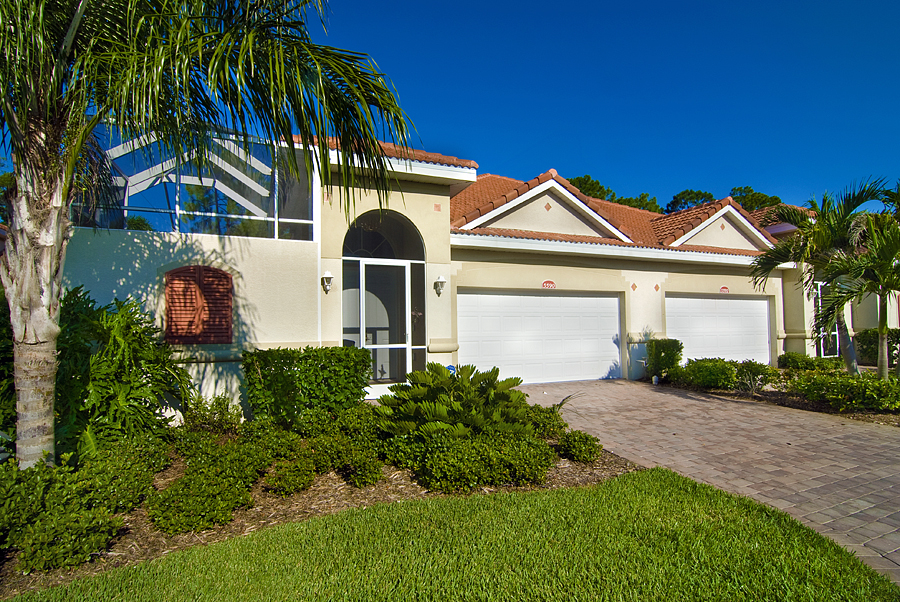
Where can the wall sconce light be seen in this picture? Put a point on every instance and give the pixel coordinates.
(327, 280)
(439, 285)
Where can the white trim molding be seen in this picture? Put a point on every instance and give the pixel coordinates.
(743, 225)
(502, 243)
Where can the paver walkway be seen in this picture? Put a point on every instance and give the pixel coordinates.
(838, 476)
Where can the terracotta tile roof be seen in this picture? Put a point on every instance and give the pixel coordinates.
(488, 193)
(596, 240)
(644, 228)
(669, 228)
(396, 152)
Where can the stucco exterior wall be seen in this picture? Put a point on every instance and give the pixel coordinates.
(642, 286)
(724, 234)
(275, 287)
(427, 206)
(547, 213)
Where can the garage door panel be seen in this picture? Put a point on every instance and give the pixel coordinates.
(733, 329)
(544, 338)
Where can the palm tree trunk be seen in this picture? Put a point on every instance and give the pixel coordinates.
(848, 351)
(35, 374)
(31, 273)
(883, 359)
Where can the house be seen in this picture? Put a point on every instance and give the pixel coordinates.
(459, 267)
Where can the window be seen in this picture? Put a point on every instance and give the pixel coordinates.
(237, 192)
(198, 305)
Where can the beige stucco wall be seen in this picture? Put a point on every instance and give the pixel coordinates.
(560, 217)
(427, 206)
(724, 234)
(275, 287)
(641, 285)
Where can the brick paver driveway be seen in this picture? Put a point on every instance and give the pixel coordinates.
(840, 477)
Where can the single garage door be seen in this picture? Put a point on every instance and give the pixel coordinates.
(733, 329)
(540, 337)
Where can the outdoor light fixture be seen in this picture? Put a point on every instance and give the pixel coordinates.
(439, 285)
(327, 279)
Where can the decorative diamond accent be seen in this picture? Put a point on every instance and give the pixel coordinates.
(656, 288)
(634, 287)
(722, 226)
(548, 206)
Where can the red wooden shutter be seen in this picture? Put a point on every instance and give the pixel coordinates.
(198, 305)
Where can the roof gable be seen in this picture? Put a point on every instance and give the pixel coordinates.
(680, 227)
(470, 209)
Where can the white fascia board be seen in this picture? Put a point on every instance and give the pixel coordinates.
(438, 172)
(745, 226)
(429, 171)
(567, 196)
(500, 243)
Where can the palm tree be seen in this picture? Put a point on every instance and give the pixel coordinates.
(822, 230)
(872, 271)
(176, 73)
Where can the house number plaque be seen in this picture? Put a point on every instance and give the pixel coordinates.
(548, 284)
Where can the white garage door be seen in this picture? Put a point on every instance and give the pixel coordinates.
(733, 329)
(540, 338)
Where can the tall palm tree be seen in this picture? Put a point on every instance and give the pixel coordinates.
(875, 270)
(822, 230)
(176, 73)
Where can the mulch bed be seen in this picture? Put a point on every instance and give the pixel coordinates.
(139, 541)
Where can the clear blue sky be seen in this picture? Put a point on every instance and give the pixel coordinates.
(791, 98)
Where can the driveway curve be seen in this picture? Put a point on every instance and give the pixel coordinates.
(838, 476)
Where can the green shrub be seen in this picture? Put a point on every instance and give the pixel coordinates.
(467, 402)
(707, 373)
(405, 451)
(798, 361)
(579, 446)
(291, 476)
(452, 464)
(217, 415)
(114, 373)
(547, 422)
(845, 392)
(282, 382)
(216, 481)
(752, 376)
(662, 356)
(361, 467)
(131, 375)
(313, 422)
(59, 516)
(866, 342)
(329, 451)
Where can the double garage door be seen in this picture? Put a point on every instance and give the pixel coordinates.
(540, 337)
(733, 329)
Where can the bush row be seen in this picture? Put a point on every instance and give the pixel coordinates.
(59, 516)
(845, 392)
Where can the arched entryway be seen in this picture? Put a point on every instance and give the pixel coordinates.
(383, 303)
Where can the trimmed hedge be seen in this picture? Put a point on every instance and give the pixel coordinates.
(579, 446)
(450, 464)
(281, 383)
(845, 392)
(706, 373)
(59, 516)
(799, 361)
(663, 355)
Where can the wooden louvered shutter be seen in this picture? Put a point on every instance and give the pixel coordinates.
(198, 305)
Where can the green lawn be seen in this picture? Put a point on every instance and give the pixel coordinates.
(650, 535)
